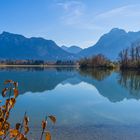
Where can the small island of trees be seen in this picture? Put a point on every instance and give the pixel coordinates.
(128, 58)
(97, 61)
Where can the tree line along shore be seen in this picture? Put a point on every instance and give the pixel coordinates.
(127, 59)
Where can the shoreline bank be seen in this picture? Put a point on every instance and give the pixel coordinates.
(45, 66)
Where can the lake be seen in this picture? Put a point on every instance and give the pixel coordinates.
(88, 104)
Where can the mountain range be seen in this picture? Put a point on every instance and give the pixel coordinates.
(14, 46)
(112, 43)
(72, 49)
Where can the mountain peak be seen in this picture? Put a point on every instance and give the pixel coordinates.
(112, 43)
(72, 49)
(5, 33)
(117, 30)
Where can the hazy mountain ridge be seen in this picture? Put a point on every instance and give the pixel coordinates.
(14, 46)
(112, 43)
(72, 49)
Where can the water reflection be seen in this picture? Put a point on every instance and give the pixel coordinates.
(88, 104)
(22, 68)
(98, 74)
(131, 81)
(115, 86)
(36, 79)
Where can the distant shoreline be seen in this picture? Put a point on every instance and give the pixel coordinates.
(45, 66)
(65, 66)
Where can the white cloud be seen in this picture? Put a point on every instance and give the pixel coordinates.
(126, 17)
(77, 15)
(125, 11)
(73, 11)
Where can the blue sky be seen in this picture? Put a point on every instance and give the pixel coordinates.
(69, 22)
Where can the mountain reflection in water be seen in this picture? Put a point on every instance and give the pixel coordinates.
(89, 104)
(115, 86)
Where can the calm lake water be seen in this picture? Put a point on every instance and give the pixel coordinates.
(88, 104)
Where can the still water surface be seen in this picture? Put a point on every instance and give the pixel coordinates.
(89, 104)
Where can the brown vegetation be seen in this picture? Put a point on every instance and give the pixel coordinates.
(130, 57)
(97, 61)
(21, 129)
